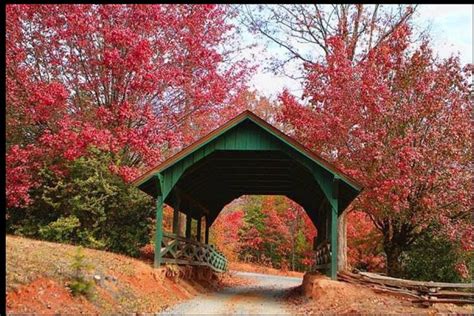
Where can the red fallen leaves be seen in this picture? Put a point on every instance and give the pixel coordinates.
(123, 78)
(398, 120)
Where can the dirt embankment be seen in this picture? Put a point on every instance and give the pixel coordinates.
(320, 295)
(38, 273)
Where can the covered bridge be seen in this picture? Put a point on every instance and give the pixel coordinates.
(244, 156)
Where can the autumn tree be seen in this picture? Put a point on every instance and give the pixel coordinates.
(260, 105)
(250, 233)
(277, 241)
(303, 33)
(274, 231)
(133, 82)
(364, 243)
(398, 120)
(225, 232)
(137, 81)
(301, 233)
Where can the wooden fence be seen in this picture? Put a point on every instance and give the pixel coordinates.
(421, 292)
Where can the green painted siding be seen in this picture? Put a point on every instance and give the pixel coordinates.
(248, 137)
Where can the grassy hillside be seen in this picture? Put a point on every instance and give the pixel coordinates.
(38, 274)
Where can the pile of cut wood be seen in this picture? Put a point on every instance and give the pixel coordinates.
(426, 293)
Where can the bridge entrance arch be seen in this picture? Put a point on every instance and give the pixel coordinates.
(244, 156)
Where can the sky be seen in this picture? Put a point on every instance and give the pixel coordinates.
(451, 30)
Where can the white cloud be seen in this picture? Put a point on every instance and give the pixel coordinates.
(450, 29)
(271, 85)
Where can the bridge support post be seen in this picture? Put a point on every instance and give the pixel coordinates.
(198, 233)
(188, 226)
(206, 233)
(176, 222)
(159, 231)
(334, 227)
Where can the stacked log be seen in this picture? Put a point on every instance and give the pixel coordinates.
(426, 293)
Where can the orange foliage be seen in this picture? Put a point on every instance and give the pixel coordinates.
(364, 243)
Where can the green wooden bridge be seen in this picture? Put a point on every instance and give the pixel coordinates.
(244, 156)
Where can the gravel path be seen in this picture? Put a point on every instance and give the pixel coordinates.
(262, 297)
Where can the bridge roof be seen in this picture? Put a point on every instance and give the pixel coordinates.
(246, 155)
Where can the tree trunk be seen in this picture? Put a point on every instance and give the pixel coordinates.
(395, 242)
(394, 267)
(342, 242)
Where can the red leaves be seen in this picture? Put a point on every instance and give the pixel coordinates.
(19, 180)
(397, 120)
(117, 77)
(467, 238)
(111, 57)
(46, 101)
(462, 270)
(363, 242)
(225, 231)
(128, 174)
(276, 227)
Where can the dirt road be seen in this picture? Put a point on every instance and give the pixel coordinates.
(262, 297)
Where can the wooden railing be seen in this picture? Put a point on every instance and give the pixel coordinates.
(322, 256)
(179, 250)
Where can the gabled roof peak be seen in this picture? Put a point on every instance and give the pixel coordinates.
(243, 116)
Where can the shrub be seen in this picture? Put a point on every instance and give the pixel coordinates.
(87, 205)
(79, 284)
(61, 229)
(433, 258)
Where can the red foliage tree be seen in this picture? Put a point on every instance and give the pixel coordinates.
(398, 120)
(225, 233)
(363, 243)
(274, 230)
(277, 231)
(132, 80)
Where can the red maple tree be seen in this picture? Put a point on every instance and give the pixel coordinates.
(131, 80)
(398, 120)
(225, 233)
(363, 243)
